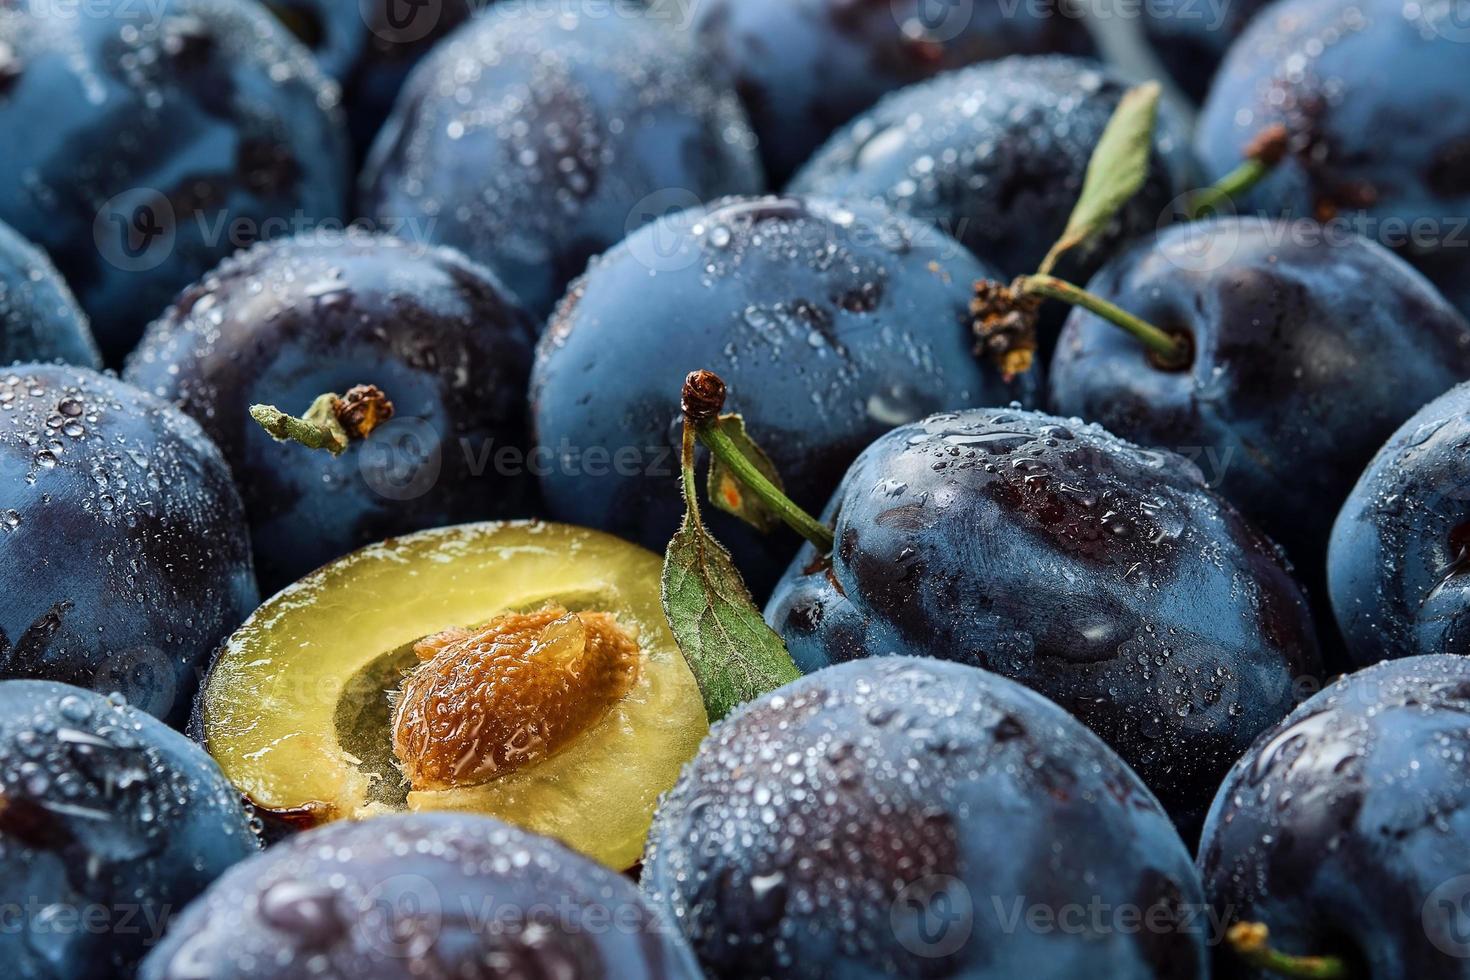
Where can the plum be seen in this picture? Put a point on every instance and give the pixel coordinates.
(1373, 93)
(420, 897)
(1308, 349)
(291, 319)
(39, 317)
(540, 135)
(519, 670)
(1344, 829)
(805, 67)
(1395, 568)
(831, 322)
(110, 822)
(1105, 576)
(908, 818)
(145, 142)
(995, 155)
(122, 538)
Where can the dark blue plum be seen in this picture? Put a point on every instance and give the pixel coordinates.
(995, 155)
(39, 318)
(424, 895)
(1345, 828)
(145, 141)
(110, 823)
(830, 324)
(1397, 562)
(123, 544)
(907, 818)
(370, 46)
(1191, 37)
(291, 319)
(1105, 576)
(1309, 349)
(1375, 95)
(540, 135)
(805, 67)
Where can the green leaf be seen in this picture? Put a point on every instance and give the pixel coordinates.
(1118, 168)
(728, 493)
(732, 653)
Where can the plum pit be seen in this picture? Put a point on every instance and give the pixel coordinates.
(486, 702)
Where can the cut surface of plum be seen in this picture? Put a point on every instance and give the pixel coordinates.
(303, 702)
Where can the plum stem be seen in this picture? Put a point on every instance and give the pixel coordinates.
(1169, 351)
(704, 397)
(332, 422)
(1251, 942)
(1262, 155)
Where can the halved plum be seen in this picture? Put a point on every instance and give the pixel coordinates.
(522, 670)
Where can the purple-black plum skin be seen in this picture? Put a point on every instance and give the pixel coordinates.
(292, 319)
(370, 46)
(1397, 561)
(1105, 576)
(110, 822)
(1310, 348)
(1192, 38)
(829, 324)
(805, 67)
(1374, 93)
(140, 149)
(539, 136)
(122, 538)
(39, 318)
(1345, 828)
(995, 155)
(422, 895)
(890, 818)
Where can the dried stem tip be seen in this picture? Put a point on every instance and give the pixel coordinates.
(1004, 321)
(703, 397)
(362, 409)
(1269, 146)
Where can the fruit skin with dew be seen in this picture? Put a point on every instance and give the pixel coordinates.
(369, 47)
(291, 319)
(825, 830)
(573, 130)
(299, 707)
(1353, 806)
(122, 538)
(138, 147)
(831, 323)
(1191, 40)
(102, 809)
(1105, 576)
(1374, 95)
(995, 155)
(805, 67)
(1309, 348)
(1395, 568)
(39, 317)
(420, 895)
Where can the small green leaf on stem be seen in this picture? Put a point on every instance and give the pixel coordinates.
(732, 653)
(1118, 168)
(726, 491)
